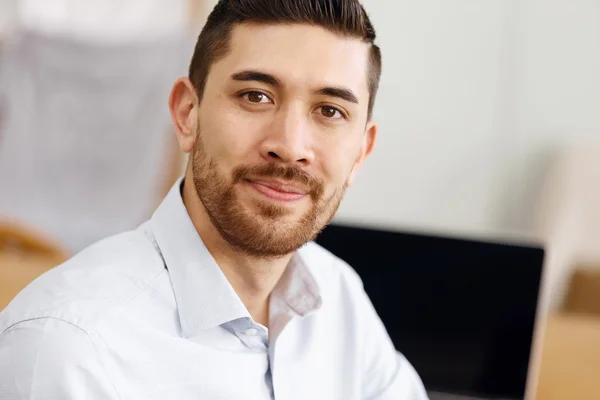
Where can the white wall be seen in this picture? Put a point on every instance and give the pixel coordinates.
(558, 129)
(440, 149)
(476, 99)
(559, 91)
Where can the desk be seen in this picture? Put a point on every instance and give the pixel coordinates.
(570, 359)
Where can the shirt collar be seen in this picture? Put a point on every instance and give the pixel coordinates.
(297, 289)
(205, 298)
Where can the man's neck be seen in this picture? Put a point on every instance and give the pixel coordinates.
(253, 279)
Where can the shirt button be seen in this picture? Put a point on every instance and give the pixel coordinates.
(251, 332)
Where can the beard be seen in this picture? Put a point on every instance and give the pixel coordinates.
(264, 232)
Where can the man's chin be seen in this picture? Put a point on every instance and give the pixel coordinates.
(274, 212)
(268, 240)
(280, 225)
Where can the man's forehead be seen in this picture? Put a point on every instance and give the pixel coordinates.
(298, 53)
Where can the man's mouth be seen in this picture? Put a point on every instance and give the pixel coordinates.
(276, 190)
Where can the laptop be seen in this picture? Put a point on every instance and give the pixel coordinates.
(462, 311)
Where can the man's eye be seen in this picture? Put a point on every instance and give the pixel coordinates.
(331, 112)
(257, 97)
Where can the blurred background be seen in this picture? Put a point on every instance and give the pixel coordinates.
(489, 116)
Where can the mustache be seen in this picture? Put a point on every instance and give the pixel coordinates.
(314, 186)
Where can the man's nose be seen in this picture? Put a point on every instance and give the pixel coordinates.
(289, 140)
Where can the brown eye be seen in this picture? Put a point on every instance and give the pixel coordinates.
(257, 97)
(330, 112)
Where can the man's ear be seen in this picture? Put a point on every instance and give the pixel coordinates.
(366, 149)
(183, 104)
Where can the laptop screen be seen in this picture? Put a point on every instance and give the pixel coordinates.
(461, 311)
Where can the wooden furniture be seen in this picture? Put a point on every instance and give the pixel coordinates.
(24, 255)
(570, 358)
(583, 296)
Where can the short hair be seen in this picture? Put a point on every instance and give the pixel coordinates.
(346, 18)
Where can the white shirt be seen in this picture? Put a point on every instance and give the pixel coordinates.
(149, 315)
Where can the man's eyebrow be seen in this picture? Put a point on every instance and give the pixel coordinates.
(266, 78)
(257, 76)
(340, 92)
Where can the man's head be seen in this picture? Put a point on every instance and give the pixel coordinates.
(277, 116)
(345, 18)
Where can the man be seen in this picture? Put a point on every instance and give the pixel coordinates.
(219, 296)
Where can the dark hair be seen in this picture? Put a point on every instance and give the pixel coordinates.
(344, 17)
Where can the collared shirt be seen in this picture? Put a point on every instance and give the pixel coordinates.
(148, 314)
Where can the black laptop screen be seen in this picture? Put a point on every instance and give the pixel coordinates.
(461, 311)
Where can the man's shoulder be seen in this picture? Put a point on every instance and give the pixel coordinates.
(90, 285)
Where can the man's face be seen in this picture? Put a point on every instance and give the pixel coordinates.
(282, 127)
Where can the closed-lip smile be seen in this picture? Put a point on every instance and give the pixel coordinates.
(276, 190)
